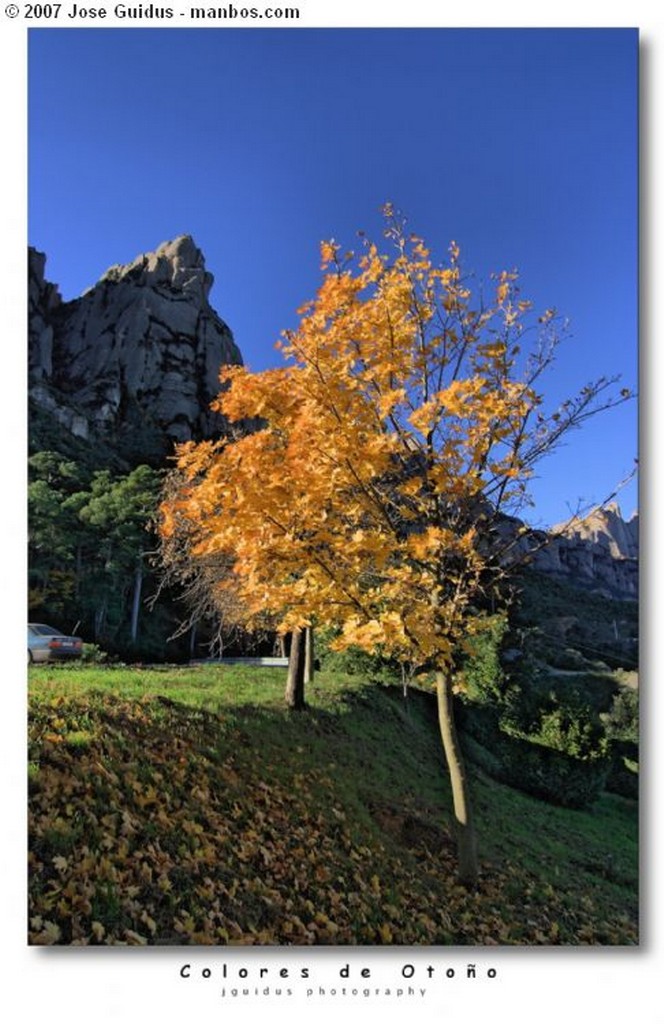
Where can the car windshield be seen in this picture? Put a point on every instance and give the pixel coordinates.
(42, 630)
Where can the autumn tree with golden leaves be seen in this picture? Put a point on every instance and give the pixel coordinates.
(372, 491)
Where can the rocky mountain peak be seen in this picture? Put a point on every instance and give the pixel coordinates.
(178, 265)
(599, 551)
(605, 527)
(139, 350)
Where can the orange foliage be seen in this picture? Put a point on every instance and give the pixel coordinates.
(399, 424)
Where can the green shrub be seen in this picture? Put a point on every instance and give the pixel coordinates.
(355, 662)
(624, 776)
(622, 721)
(571, 727)
(531, 767)
(93, 654)
(481, 673)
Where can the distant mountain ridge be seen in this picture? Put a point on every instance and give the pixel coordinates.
(599, 551)
(606, 527)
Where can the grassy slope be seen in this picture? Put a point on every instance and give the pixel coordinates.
(178, 806)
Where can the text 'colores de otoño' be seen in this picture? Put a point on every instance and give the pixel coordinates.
(407, 971)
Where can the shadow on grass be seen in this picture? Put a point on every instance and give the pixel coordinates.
(248, 823)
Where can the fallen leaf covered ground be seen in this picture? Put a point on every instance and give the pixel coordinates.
(158, 821)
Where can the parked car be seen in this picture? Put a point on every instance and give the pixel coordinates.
(48, 644)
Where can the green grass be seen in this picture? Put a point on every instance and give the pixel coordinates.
(177, 805)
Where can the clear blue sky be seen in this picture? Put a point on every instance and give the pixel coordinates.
(519, 144)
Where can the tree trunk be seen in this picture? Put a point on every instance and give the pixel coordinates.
(309, 654)
(100, 620)
(136, 603)
(78, 573)
(295, 679)
(465, 829)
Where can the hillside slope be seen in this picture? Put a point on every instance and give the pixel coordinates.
(187, 806)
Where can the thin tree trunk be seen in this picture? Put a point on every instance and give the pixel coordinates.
(309, 654)
(100, 620)
(466, 836)
(78, 573)
(295, 679)
(136, 604)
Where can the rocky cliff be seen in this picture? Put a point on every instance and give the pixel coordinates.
(143, 347)
(606, 528)
(599, 552)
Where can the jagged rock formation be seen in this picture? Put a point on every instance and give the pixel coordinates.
(44, 300)
(599, 552)
(606, 527)
(140, 349)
